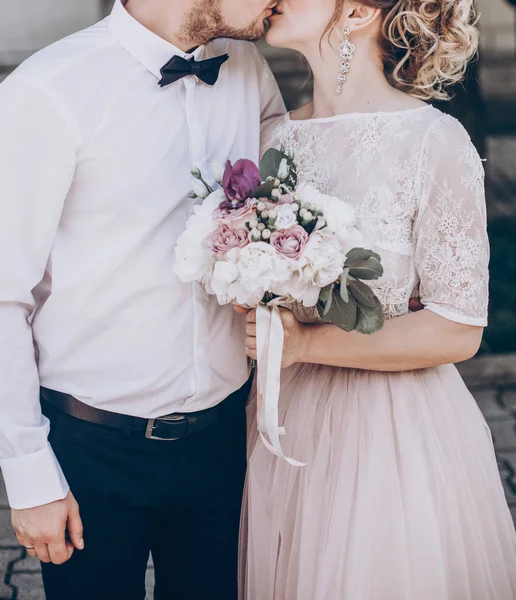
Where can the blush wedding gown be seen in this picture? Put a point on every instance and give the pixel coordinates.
(401, 497)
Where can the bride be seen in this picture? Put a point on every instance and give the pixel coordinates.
(401, 497)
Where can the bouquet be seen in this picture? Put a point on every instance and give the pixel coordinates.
(262, 241)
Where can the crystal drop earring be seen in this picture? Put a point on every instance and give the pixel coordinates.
(347, 52)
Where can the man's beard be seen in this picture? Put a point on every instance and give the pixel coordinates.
(205, 23)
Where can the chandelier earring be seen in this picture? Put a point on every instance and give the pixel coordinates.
(347, 52)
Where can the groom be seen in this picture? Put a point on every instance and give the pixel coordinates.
(122, 390)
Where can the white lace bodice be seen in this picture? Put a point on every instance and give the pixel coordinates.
(417, 184)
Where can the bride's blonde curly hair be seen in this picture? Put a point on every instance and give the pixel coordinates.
(427, 44)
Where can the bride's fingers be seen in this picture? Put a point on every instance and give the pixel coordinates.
(250, 330)
(250, 343)
(251, 316)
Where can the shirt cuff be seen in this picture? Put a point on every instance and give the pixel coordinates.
(34, 479)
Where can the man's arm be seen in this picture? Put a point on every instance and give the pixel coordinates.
(37, 163)
(272, 103)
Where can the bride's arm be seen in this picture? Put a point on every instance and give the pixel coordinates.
(414, 341)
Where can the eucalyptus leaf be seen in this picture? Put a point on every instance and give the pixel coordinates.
(370, 320)
(342, 314)
(369, 269)
(362, 293)
(264, 191)
(360, 254)
(270, 164)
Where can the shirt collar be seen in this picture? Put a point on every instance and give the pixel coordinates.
(150, 50)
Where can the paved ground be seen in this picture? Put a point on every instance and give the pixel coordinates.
(492, 381)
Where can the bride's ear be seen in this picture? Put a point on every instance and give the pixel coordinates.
(358, 16)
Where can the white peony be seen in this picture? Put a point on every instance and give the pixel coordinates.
(286, 217)
(225, 274)
(323, 260)
(194, 260)
(261, 269)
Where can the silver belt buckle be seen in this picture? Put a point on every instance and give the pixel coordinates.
(151, 425)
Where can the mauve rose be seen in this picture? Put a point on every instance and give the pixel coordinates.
(224, 239)
(235, 214)
(240, 180)
(290, 242)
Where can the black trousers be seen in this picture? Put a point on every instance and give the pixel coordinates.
(177, 500)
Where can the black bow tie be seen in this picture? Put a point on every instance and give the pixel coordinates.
(206, 70)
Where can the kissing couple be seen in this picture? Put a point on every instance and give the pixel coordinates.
(123, 390)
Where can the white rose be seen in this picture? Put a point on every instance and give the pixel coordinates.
(286, 217)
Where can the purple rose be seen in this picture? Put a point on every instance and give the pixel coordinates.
(290, 242)
(225, 238)
(240, 180)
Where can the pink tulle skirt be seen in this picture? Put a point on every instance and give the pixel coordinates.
(401, 498)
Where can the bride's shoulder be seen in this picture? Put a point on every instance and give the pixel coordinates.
(445, 132)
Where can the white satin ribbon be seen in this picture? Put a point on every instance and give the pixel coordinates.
(269, 342)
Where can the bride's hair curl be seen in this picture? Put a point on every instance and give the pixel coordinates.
(427, 44)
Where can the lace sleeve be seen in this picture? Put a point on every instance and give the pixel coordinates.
(452, 247)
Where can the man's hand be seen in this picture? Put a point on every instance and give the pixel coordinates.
(50, 532)
(296, 337)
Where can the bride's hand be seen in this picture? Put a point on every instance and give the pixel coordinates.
(297, 336)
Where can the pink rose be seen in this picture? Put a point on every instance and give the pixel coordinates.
(290, 242)
(235, 214)
(225, 239)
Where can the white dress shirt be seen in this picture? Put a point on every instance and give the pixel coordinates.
(95, 163)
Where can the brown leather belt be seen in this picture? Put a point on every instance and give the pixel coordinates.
(169, 428)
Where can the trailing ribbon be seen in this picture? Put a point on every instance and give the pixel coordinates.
(269, 341)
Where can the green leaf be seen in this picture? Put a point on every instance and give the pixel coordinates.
(342, 314)
(370, 320)
(359, 255)
(264, 191)
(367, 269)
(362, 293)
(364, 264)
(270, 163)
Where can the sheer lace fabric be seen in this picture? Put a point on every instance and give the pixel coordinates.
(417, 185)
